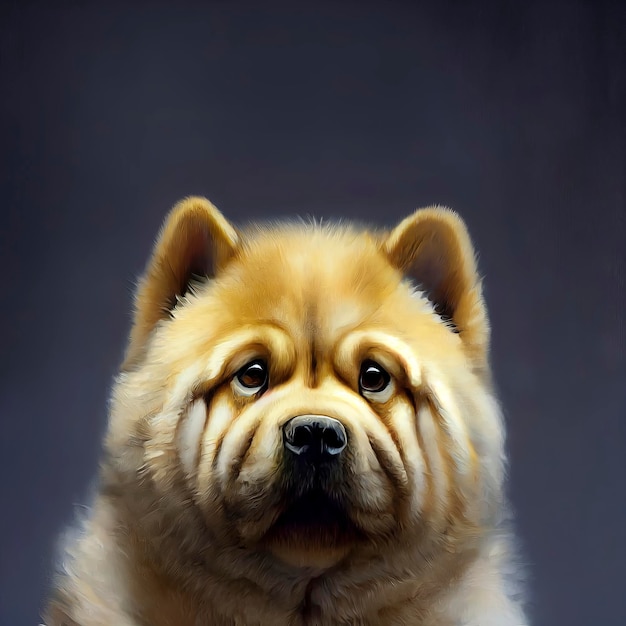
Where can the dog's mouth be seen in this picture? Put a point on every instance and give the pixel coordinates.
(314, 521)
(313, 509)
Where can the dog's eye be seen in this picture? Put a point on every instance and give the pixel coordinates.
(251, 378)
(373, 378)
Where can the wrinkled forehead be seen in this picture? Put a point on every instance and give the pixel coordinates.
(319, 299)
(317, 284)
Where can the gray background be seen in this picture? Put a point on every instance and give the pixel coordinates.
(512, 113)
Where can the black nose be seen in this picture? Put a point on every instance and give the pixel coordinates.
(314, 437)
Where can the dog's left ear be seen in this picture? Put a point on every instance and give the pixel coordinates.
(196, 240)
(433, 249)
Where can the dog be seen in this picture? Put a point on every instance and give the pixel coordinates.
(304, 431)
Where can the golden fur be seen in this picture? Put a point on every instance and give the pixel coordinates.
(185, 529)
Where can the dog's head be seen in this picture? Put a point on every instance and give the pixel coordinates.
(309, 393)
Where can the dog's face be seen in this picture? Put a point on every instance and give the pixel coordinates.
(306, 402)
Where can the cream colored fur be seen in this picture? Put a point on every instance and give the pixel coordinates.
(183, 528)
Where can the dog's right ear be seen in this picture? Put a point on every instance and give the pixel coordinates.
(195, 241)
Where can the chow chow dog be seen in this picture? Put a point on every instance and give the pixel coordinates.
(304, 432)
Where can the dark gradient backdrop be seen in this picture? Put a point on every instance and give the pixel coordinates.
(512, 113)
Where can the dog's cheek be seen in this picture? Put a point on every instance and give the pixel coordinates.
(403, 420)
(221, 414)
(190, 434)
(263, 458)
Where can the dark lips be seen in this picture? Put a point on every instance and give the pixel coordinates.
(315, 518)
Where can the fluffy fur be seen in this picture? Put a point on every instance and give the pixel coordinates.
(193, 523)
